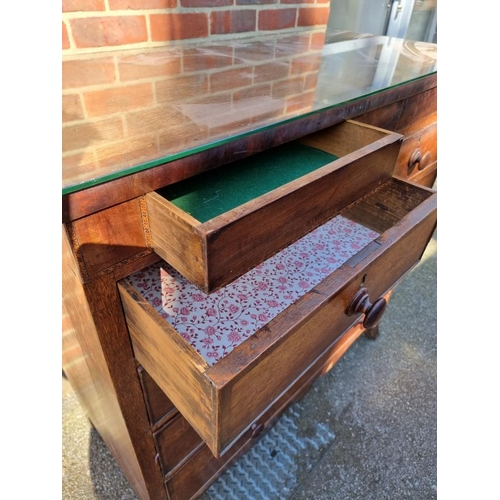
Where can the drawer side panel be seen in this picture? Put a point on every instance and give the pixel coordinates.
(174, 237)
(173, 364)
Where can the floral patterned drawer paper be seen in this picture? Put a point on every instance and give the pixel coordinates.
(215, 324)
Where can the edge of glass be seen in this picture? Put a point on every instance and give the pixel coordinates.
(188, 152)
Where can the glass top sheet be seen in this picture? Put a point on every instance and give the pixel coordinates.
(130, 110)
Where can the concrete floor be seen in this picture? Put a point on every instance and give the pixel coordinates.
(378, 405)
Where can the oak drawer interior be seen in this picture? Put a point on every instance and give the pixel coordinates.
(216, 226)
(255, 336)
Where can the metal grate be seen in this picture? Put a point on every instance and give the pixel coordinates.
(272, 468)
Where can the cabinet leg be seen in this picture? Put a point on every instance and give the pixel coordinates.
(372, 333)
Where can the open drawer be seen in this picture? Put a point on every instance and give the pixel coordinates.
(216, 226)
(224, 358)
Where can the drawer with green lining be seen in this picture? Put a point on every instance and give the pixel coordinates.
(216, 226)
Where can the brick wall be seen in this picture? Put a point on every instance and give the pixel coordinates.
(121, 110)
(98, 25)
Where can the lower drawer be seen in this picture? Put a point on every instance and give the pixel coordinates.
(224, 358)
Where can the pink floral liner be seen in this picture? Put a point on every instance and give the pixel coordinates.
(215, 324)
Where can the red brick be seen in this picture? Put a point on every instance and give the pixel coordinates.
(75, 167)
(297, 1)
(141, 4)
(82, 5)
(105, 31)
(253, 92)
(305, 64)
(187, 138)
(117, 99)
(311, 81)
(271, 115)
(292, 45)
(130, 152)
(287, 88)
(231, 79)
(277, 19)
(318, 41)
(257, 51)
(205, 3)
(65, 38)
(255, 2)
(150, 65)
(160, 119)
(71, 108)
(181, 88)
(271, 72)
(301, 102)
(166, 27)
(89, 134)
(227, 21)
(313, 16)
(87, 72)
(210, 57)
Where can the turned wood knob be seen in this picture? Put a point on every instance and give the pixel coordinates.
(419, 159)
(257, 429)
(361, 304)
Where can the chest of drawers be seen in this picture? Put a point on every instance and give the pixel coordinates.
(175, 413)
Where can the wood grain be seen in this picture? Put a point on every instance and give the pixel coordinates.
(426, 141)
(174, 365)
(298, 337)
(160, 408)
(203, 468)
(109, 237)
(102, 371)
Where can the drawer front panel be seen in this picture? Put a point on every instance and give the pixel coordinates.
(417, 153)
(214, 398)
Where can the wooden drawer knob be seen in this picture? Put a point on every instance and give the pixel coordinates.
(419, 160)
(361, 304)
(257, 429)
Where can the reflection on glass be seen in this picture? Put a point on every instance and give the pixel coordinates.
(131, 110)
